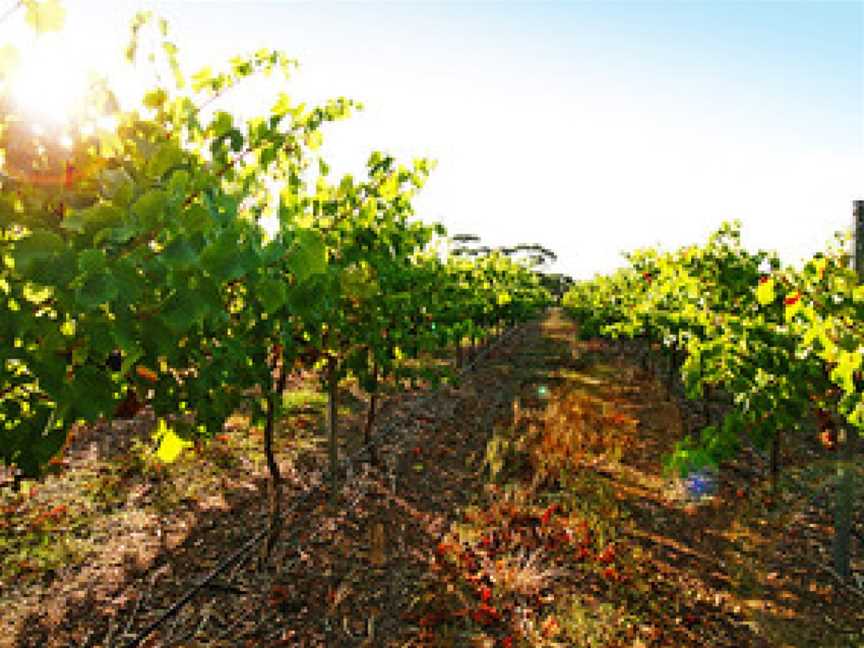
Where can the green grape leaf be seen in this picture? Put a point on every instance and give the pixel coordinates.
(314, 140)
(155, 99)
(101, 338)
(271, 293)
(282, 106)
(150, 208)
(37, 249)
(178, 183)
(130, 284)
(224, 260)
(97, 289)
(180, 254)
(222, 123)
(117, 185)
(183, 310)
(33, 442)
(272, 252)
(235, 137)
(211, 298)
(357, 283)
(202, 78)
(51, 369)
(167, 155)
(92, 261)
(157, 338)
(843, 373)
(45, 15)
(90, 395)
(390, 187)
(196, 219)
(130, 359)
(58, 272)
(93, 219)
(308, 255)
(119, 235)
(856, 414)
(304, 297)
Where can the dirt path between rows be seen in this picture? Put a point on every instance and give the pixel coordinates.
(524, 508)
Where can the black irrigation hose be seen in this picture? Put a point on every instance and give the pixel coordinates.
(254, 540)
(196, 588)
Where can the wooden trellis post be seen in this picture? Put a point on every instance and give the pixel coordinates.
(858, 232)
(848, 434)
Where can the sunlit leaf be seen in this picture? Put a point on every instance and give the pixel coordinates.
(45, 15)
(765, 292)
(171, 446)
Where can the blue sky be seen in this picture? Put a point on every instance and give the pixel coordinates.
(588, 127)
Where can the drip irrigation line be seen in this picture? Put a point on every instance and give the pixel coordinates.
(170, 612)
(254, 540)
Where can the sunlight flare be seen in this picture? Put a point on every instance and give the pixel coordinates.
(49, 85)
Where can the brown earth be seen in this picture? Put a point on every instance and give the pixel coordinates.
(525, 507)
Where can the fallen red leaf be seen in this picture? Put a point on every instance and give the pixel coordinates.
(547, 514)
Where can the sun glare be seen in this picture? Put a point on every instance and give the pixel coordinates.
(49, 85)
